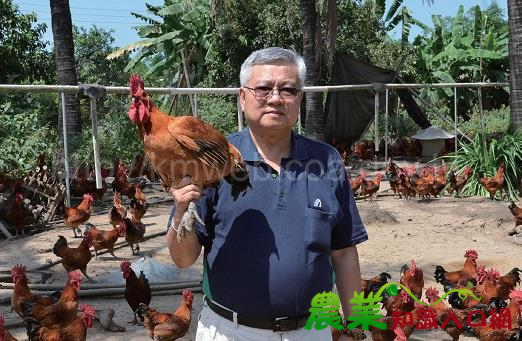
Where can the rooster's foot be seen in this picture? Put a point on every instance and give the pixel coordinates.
(186, 226)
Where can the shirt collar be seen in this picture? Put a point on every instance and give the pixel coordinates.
(249, 151)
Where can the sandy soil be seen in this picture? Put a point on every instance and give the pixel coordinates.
(435, 233)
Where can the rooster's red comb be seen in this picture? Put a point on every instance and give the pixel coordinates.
(471, 253)
(124, 265)
(515, 294)
(75, 276)
(87, 309)
(89, 197)
(431, 291)
(136, 86)
(18, 269)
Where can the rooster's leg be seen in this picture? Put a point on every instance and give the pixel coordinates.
(95, 254)
(186, 225)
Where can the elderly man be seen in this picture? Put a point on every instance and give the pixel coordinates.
(270, 251)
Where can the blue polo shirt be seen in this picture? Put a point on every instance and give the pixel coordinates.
(266, 254)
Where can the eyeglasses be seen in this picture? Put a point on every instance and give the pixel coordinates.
(265, 92)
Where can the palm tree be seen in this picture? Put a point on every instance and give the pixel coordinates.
(515, 61)
(314, 120)
(65, 65)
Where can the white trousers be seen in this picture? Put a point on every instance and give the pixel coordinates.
(212, 327)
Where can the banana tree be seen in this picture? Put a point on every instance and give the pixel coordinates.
(398, 14)
(462, 51)
(175, 40)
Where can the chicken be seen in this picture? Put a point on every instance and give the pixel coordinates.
(74, 331)
(460, 277)
(375, 283)
(507, 283)
(168, 326)
(488, 333)
(122, 185)
(74, 258)
(392, 173)
(103, 239)
(517, 213)
(403, 301)
(4, 333)
(61, 313)
(22, 293)
(139, 204)
(492, 185)
(16, 215)
(486, 290)
(356, 183)
(423, 184)
(370, 187)
(441, 311)
(388, 334)
(137, 289)
(134, 233)
(457, 182)
(413, 278)
(118, 212)
(439, 183)
(185, 150)
(141, 168)
(75, 216)
(81, 185)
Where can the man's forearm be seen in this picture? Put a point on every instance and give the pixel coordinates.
(185, 252)
(348, 276)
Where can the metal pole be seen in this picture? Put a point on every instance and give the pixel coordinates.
(455, 110)
(195, 105)
(386, 127)
(239, 115)
(95, 145)
(66, 153)
(376, 121)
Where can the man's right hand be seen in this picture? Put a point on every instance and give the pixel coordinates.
(184, 195)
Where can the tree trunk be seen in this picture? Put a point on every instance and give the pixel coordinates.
(314, 120)
(515, 61)
(65, 65)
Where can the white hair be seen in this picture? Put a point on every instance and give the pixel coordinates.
(273, 55)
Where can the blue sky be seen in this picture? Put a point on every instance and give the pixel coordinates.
(115, 14)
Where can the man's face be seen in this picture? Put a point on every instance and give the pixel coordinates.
(274, 112)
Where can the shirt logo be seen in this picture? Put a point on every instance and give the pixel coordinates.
(318, 203)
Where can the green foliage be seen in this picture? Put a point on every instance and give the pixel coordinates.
(23, 57)
(394, 55)
(25, 133)
(485, 158)
(220, 111)
(464, 49)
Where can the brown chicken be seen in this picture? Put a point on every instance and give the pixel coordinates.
(140, 167)
(403, 301)
(439, 183)
(460, 277)
(517, 213)
(185, 150)
(74, 331)
(423, 184)
(15, 215)
(134, 233)
(457, 182)
(61, 313)
(488, 333)
(139, 204)
(168, 326)
(356, 183)
(370, 187)
(441, 311)
(374, 284)
(389, 334)
(82, 184)
(74, 258)
(75, 216)
(118, 212)
(413, 278)
(122, 185)
(137, 289)
(494, 184)
(105, 239)
(4, 333)
(22, 293)
(486, 290)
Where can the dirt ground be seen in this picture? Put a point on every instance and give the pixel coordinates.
(435, 233)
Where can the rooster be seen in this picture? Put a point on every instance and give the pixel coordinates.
(118, 212)
(460, 277)
(375, 283)
(457, 182)
(185, 150)
(139, 204)
(413, 278)
(370, 187)
(492, 185)
(61, 313)
(4, 333)
(356, 183)
(122, 185)
(74, 258)
(22, 293)
(75, 216)
(168, 326)
(517, 213)
(74, 331)
(103, 239)
(134, 233)
(137, 289)
(16, 215)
